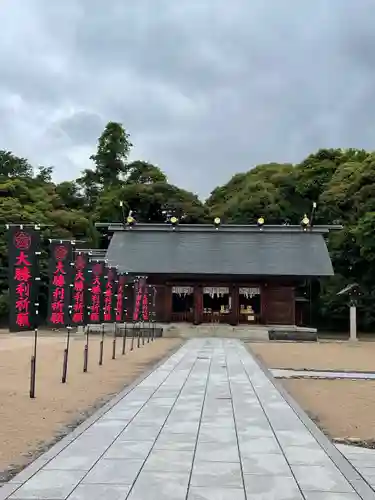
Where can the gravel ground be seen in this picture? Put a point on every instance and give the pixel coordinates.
(28, 427)
(343, 409)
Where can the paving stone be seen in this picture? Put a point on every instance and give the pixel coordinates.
(324, 495)
(176, 442)
(68, 460)
(246, 432)
(271, 488)
(114, 472)
(140, 433)
(364, 462)
(217, 452)
(321, 478)
(167, 402)
(49, 485)
(7, 489)
(160, 485)
(217, 474)
(169, 461)
(258, 445)
(222, 435)
(99, 492)
(216, 494)
(271, 464)
(29, 471)
(298, 455)
(295, 438)
(129, 449)
(181, 427)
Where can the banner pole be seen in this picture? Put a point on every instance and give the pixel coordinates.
(36, 332)
(66, 356)
(33, 365)
(124, 339)
(101, 347)
(114, 341)
(33, 357)
(86, 350)
(69, 319)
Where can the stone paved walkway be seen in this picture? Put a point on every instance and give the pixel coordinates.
(207, 424)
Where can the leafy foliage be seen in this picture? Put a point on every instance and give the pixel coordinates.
(341, 182)
(69, 210)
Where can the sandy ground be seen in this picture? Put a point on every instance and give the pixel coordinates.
(342, 408)
(319, 355)
(26, 425)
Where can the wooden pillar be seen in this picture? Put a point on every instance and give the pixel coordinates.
(234, 314)
(198, 304)
(167, 303)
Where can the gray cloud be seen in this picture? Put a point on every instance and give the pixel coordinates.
(206, 89)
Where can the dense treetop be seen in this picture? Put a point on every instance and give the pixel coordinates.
(340, 181)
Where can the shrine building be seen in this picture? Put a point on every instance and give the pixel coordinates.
(225, 273)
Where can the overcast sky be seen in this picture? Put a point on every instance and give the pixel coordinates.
(206, 88)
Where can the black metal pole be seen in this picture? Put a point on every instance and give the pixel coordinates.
(86, 351)
(124, 339)
(101, 347)
(66, 356)
(139, 336)
(69, 329)
(114, 342)
(133, 330)
(33, 366)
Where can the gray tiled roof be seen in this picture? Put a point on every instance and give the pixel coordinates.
(282, 251)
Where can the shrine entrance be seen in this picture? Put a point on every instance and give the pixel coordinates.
(249, 304)
(182, 303)
(217, 304)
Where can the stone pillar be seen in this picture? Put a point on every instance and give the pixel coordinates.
(353, 323)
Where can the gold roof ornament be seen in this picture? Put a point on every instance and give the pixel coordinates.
(260, 222)
(305, 221)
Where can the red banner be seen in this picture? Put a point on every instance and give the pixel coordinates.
(79, 295)
(110, 290)
(23, 245)
(120, 298)
(96, 292)
(60, 271)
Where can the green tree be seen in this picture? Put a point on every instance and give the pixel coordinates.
(12, 166)
(142, 172)
(112, 155)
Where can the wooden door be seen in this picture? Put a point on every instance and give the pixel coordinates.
(278, 306)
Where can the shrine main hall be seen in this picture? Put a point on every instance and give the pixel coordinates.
(234, 274)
